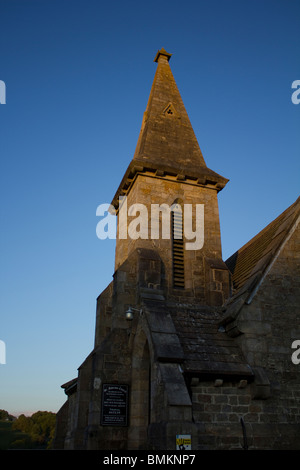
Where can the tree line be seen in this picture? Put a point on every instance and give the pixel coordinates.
(31, 432)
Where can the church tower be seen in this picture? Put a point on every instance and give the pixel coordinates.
(168, 171)
(157, 322)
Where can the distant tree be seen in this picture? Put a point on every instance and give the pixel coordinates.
(22, 423)
(40, 427)
(5, 416)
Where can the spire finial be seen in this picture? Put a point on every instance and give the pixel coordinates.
(162, 52)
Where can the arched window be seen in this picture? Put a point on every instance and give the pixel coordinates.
(177, 245)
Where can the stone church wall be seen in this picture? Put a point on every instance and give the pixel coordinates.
(218, 411)
(267, 327)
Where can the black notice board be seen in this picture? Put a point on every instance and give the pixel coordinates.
(114, 409)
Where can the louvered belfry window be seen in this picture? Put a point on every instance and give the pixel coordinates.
(177, 246)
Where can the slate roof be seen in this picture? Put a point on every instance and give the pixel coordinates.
(207, 350)
(190, 336)
(249, 263)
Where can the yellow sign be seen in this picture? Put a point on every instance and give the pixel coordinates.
(183, 442)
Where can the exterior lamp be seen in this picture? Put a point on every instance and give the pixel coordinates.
(129, 313)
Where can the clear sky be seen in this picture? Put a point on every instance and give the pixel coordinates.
(78, 75)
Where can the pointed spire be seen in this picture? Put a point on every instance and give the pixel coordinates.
(167, 144)
(167, 135)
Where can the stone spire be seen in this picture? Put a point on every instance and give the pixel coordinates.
(167, 135)
(167, 145)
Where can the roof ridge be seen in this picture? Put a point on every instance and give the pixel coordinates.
(257, 255)
(267, 227)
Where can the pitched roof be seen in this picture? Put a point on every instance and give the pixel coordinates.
(208, 351)
(190, 336)
(249, 263)
(70, 387)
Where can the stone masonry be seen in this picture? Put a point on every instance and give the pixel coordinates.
(206, 349)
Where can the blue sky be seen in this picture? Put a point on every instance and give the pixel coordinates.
(78, 75)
